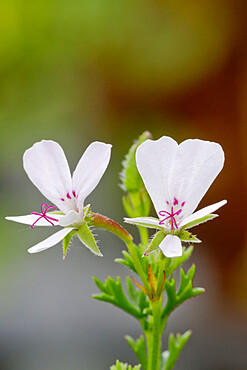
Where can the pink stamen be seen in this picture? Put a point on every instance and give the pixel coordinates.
(175, 202)
(44, 215)
(73, 192)
(62, 199)
(182, 204)
(68, 196)
(167, 202)
(171, 216)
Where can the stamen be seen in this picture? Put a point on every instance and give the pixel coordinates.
(62, 199)
(73, 192)
(171, 216)
(44, 215)
(68, 196)
(167, 202)
(175, 201)
(182, 204)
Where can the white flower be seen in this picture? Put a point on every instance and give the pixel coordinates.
(176, 178)
(47, 167)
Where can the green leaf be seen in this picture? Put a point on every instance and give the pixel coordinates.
(122, 366)
(139, 347)
(199, 221)
(185, 291)
(174, 263)
(137, 204)
(186, 236)
(154, 245)
(66, 242)
(128, 262)
(176, 344)
(131, 180)
(112, 292)
(86, 237)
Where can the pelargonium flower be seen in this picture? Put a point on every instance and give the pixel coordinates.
(176, 178)
(47, 167)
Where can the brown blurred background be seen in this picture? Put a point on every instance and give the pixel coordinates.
(90, 70)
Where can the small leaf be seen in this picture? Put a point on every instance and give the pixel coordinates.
(131, 180)
(154, 245)
(176, 344)
(121, 366)
(139, 347)
(66, 242)
(88, 240)
(199, 221)
(174, 263)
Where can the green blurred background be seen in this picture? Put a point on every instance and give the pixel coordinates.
(79, 71)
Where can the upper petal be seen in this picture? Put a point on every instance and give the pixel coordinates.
(90, 169)
(171, 246)
(154, 159)
(47, 167)
(71, 218)
(51, 241)
(195, 166)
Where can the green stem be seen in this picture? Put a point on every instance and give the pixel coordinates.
(143, 235)
(138, 265)
(156, 340)
(160, 279)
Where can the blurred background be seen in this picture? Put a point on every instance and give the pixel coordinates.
(84, 70)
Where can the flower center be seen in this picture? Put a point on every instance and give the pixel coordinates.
(44, 215)
(171, 215)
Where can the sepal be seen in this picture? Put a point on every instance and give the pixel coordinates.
(176, 344)
(186, 236)
(66, 243)
(122, 366)
(86, 237)
(154, 245)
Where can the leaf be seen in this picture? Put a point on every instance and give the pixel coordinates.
(174, 263)
(199, 221)
(139, 347)
(122, 366)
(131, 180)
(86, 237)
(176, 344)
(128, 262)
(112, 292)
(185, 291)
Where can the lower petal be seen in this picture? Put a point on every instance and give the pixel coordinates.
(30, 219)
(71, 218)
(51, 241)
(171, 246)
(151, 222)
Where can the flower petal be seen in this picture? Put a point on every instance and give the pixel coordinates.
(171, 246)
(195, 166)
(47, 167)
(202, 213)
(71, 218)
(30, 219)
(154, 160)
(89, 170)
(51, 241)
(144, 221)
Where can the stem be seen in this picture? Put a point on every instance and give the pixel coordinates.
(156, 340)
(162, 264)
(138, 265)
(143, 235)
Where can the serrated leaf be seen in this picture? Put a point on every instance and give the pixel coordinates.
(112, 292)
(185, 291)
(174, 263)
(131, 180)
(139, 347)
(154, 245)
(176, 344)
(121, 366)
(186, 236)
(199, 221)
(66, 242)
(86, 237)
